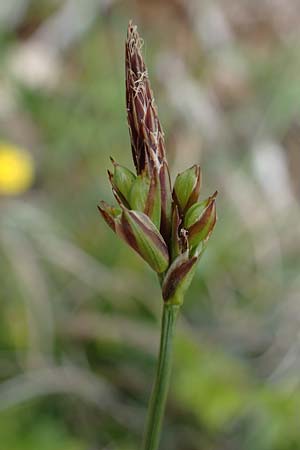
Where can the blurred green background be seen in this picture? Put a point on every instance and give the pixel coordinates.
(79, 311)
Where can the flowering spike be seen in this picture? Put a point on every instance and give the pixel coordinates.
(145, 129)
(141, 234)
(168, 227)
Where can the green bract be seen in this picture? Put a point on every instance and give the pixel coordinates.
(153, 203)
(123, 180)
(194, 213)
(200, 220)
(178, 278)
(139, 192)
(187, 187)
(141, 234)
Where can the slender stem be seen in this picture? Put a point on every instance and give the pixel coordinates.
(160, 388)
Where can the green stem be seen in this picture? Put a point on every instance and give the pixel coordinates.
(161, 383)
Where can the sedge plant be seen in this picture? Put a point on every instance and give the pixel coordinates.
(166, 225)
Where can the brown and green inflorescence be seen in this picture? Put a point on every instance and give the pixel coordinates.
(168, 227)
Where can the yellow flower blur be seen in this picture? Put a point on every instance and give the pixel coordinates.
(16, 170)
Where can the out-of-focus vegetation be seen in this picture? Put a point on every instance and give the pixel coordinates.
(79, 310)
